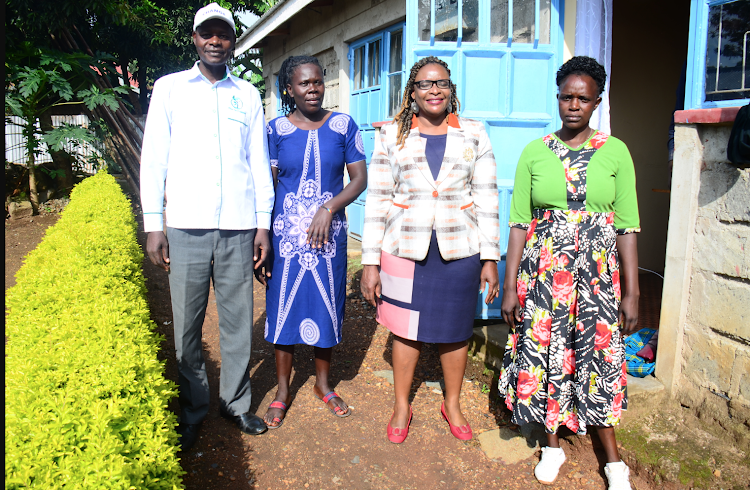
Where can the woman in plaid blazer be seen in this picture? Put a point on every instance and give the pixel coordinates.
(431, 235)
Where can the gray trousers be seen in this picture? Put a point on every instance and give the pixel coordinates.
(196, 257)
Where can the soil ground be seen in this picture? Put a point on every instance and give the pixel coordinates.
(21, 237)
(316, 450)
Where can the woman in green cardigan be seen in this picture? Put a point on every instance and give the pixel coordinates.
(573, 220)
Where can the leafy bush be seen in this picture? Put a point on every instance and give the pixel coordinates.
(85, 396)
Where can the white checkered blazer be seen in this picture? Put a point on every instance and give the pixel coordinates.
(404, 202)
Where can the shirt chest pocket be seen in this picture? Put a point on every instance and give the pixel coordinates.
(233, 129)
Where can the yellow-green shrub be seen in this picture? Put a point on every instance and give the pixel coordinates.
(85, 396)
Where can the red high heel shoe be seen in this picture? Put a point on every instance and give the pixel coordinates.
(463, 432)
(396, 435)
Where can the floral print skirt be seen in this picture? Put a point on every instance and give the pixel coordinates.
(565, 362)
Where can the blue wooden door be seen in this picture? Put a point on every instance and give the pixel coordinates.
(503, 57)
(376, 67)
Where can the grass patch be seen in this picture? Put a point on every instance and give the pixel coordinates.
(671, 461)
(353, 263)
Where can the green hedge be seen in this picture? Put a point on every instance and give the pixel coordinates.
(85, 396)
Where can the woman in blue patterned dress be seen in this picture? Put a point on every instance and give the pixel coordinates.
(309, 148)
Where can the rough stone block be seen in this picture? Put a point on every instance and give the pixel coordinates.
(736, 203)
(721, 304)
(740, 412)
(488, 343)
(645, 387)
(722, 248)
(714, 139)
(715, 183)
(711, 360)
(386, 375)
(740, 384)
(507, 446)
(18, 210)
(668, 469)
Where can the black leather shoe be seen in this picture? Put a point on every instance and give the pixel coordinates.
(249, 423)
(188, 434)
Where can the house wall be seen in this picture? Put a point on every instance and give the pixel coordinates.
(716, 347)
(569, 30)
(647, 58)
(704, 344)
(325, 32)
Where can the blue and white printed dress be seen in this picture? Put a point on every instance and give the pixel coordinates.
(307, 288)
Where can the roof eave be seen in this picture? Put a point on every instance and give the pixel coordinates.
(271, 20)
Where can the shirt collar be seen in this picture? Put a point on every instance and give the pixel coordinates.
(452, 121)
(195, 72)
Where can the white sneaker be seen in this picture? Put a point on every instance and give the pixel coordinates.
(549, 466)
(618, 476)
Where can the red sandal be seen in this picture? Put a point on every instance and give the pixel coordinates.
(396, 435)
(280, 406)
(463, 432)
(342, 414)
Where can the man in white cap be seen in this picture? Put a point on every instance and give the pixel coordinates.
(205, 150)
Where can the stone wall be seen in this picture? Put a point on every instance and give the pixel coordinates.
(325, 32)
(716, 349)
(330, 64)
(706, 341)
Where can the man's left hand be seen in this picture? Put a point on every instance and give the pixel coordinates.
(261, 249)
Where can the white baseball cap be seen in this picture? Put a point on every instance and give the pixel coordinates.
(213, 11)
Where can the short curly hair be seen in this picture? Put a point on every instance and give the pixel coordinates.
(583, 65)
(286, 72)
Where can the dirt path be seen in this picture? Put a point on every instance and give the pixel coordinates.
(316, 450)
(21, 237)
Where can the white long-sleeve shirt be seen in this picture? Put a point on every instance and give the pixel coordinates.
(206, 146)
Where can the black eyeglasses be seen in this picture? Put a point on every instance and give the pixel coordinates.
(427, 84)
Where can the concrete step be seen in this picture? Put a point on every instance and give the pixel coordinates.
(644, 386)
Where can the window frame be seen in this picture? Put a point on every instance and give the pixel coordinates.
(386, 68)
(484, 27)
(278, 96)
(695, 82)
(365, 75)
(384, 36)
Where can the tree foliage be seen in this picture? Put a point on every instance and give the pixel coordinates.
(148, 38)
(39, 80)
(89, 53)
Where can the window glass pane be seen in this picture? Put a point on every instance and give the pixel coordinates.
(446, 20)
(470, 14)
(499, 21)
(373, 64)
(545, 15)
(394, 94)
(359, 54)
(397, 51)
(424, 20)
(726, 47)
(523, 21)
